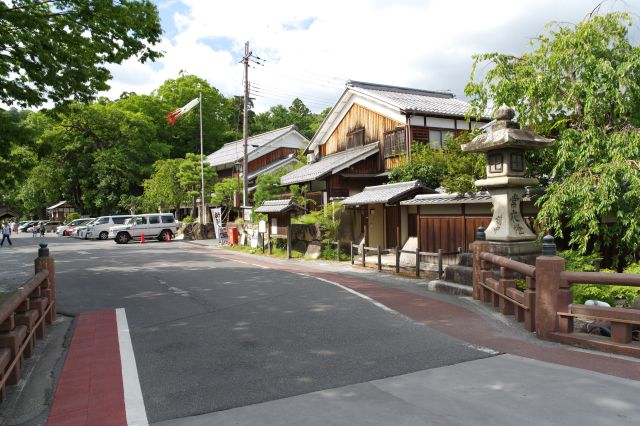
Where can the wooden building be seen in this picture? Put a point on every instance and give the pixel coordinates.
(369, 131)
(59, 211)
(279, 214)
(376, 213)
(266, 152)
(449, 221)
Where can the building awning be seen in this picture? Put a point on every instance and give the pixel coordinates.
(329, 165)
(278, 206)
(386, 194)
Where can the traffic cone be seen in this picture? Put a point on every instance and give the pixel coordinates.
(141, 238)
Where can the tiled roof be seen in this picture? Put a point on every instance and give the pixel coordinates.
(56, 205)
(388, 193)
(477, 198)
(234, 151)
(277, 206)
(330, 164)
(273, 166)
(414, 100)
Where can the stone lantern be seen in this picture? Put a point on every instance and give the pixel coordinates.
(505, 144)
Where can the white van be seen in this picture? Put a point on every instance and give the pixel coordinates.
(99, 228)
(154, 225)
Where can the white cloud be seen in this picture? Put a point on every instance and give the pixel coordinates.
(309, 49)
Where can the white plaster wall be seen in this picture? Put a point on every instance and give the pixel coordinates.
(444, 123)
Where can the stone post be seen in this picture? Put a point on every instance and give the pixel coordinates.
(479, 245)
(42, 262)
(548, 270)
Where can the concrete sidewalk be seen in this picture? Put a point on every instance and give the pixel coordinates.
(501, 390)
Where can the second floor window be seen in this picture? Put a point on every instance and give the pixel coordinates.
(355, 138)
(395, 143)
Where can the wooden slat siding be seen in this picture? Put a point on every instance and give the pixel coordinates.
(375, 125)
(227, 173)
(270, 158)
(471, 226)
(441, 232)
(368, 165)
(392, 162)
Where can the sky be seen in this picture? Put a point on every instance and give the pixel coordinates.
(309, 49)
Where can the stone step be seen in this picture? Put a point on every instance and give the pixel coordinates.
(459, 274)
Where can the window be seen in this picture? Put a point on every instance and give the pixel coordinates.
(119, 220)
(495, 163)
(355, 138)
(437, 138)
(167, 219)
(140, 220)
(517, 162)
(395, 143)
(154, 220)
(102, 221)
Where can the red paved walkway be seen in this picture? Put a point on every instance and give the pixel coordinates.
(90, 390)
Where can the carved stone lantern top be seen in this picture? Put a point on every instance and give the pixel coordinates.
(505, 133)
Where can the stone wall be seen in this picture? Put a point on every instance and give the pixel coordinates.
(197, 231)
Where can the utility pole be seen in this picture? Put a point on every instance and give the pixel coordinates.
(245, 127)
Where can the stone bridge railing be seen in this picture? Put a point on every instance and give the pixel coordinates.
(545, 305)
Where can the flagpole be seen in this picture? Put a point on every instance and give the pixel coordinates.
(202, 213)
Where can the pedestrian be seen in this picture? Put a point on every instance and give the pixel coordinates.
(34, 230)
(14, 227)
(6, 234)
(43, 229)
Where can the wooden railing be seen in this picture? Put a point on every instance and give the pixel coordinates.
(23, 316)
(501, 290)
(546, 305)
(622, 320)
(438, 257)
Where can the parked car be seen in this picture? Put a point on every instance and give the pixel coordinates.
(62, 228)
(75, 223)
(100, 227)
(155, 225)
(80, 231)
(28, 225)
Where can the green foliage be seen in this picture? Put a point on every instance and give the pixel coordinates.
(188, 219)
(163, 188)
(280, 116)
(223, 195)
(463, 168)
(581, 85)
(190, 174)
(329, 220)
(612, 294)
(427, 165)
(58, 50)
(72, 216)
(268, 187)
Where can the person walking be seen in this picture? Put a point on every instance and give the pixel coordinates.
(42, 229)
(34, 230)
(6, 234)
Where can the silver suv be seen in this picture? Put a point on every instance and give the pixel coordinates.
(99, 228)
(154, 225)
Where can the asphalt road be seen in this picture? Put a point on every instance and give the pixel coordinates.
(212, 334)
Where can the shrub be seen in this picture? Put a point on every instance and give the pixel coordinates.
(615, 295)
(72, 216)
(187, 219)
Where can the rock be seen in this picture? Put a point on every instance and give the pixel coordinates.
(314, 250)
(210, 231)
(299, 246)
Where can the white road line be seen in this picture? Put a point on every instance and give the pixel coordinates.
(374, 302)
(133, 401)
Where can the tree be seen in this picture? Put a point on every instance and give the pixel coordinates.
(184, 136)
(268, 187)
(57, 50)
(581, 85)
(427, 165)
(190, 178)
(223, 194)
(163, 190)
(463, 168)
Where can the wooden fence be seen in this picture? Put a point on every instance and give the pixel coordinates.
(437, 258)
(23, 316)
